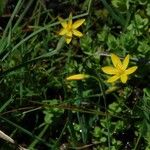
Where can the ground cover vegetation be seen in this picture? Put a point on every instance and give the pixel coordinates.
(74, 74)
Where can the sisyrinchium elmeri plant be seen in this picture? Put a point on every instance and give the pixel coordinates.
(53, 89)
(69, 28)
(119, 71)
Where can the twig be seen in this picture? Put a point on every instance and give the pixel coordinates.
(10, 140)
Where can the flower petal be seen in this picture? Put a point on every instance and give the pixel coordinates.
(70, 21)
(131, 70)
(68, 40)
(77, 77)
(63, 22)
(77, 33)
(69, 34)
(78, 23)
(116, 60)
(109, 70)
(124, 78)
(126, 62)
(113, 79)
(62, 31)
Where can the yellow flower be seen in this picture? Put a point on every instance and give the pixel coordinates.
(69, 28)
(119, 71)
(77, 77)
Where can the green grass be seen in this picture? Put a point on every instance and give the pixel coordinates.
(40, 109)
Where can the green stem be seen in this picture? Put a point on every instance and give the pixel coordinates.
(32, 145)
(106, 113)
(6, 104)
(136, 145)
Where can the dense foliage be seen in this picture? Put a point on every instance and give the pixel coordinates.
(40, 108)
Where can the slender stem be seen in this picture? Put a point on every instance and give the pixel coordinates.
(32, 145)
(105, 105)
(136, 145)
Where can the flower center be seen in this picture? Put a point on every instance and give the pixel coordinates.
(120, 69)
(69, 27)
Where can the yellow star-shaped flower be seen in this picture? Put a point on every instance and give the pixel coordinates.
(69, 28)
(119, 71)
